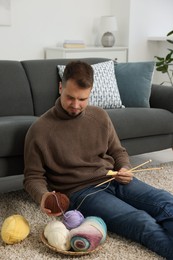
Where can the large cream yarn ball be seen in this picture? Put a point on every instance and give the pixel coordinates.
(57, 235)
(14, 229)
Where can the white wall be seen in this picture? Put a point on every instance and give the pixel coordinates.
(140, 19)
(148, 18)
(121, 9)
(152, 19)
(40, 23)
(37, 24)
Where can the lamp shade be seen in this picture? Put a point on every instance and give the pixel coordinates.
(108, 24)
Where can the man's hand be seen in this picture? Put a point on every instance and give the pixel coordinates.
(48, 211)
(124, 176)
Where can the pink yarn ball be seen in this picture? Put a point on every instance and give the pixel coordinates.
(72, 219)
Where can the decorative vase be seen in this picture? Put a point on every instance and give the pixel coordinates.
(108, 39)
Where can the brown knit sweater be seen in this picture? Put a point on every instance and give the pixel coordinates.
(66, 154)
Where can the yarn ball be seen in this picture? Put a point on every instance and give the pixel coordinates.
(57, 235)
(14, 229)
(81, 244)
(89, 235)
(72, 219)
(99, 224)
(57, 202)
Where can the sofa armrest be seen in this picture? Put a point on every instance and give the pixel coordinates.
(162, 97)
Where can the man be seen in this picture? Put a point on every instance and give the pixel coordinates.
(71, 148)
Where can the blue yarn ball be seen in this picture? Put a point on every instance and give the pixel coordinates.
(98, 223)
(72, 219)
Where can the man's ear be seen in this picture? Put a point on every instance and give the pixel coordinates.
(60, 87)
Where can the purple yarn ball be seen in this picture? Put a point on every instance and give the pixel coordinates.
(72, 219)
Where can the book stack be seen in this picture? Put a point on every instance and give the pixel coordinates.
(73, 44)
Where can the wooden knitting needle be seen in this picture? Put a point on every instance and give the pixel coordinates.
(126, 171)
(148, 169)
(113, 173)
(140, 165)
(105, 182)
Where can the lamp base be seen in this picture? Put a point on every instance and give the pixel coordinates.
(108, 39)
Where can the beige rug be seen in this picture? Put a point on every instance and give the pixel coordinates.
(32, 248)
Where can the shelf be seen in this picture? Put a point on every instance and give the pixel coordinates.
(118, 53)
(157, 38)
(89, 48)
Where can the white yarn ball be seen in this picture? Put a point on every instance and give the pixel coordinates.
(57, 235)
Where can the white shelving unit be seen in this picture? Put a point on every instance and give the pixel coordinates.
(119, 53)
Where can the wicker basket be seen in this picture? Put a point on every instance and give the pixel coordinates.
(64, 252)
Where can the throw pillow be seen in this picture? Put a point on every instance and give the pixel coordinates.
(134, 80)
(105, 92)
(61, 69)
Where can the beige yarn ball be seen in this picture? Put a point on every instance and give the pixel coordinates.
(57, 235)
(14, 229)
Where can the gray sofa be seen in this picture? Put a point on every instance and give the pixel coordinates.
(29, 88)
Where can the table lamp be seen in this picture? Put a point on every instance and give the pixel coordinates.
(108, 25)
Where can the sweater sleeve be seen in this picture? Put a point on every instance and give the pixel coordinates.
(35, 182)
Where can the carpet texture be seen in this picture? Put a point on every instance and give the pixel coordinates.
(115, 248)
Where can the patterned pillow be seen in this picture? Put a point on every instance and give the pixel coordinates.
(61, 69)
(105, 92)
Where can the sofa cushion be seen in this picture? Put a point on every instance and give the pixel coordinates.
(105, 92)
(12, 134)
(134, 81)
(15, 93)
(141, 122)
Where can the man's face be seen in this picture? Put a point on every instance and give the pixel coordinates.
(73, 98)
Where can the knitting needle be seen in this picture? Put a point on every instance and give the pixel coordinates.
(148, 169)
(112, 173)
(140, 165)
(126, 171)
(105, 182)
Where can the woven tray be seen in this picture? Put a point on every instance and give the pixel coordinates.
(64, 252)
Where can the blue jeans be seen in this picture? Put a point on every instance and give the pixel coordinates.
(136, 211)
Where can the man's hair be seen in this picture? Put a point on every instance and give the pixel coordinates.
(79, 71)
